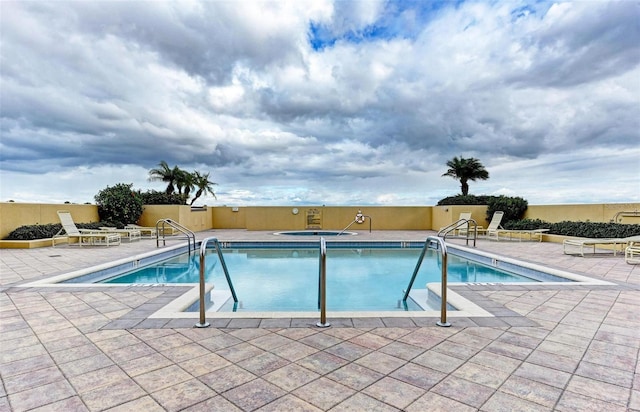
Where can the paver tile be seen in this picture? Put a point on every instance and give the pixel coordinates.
(254, 394)
(217, 403)
(599, 390)
(162, 378)
(204, 364)
(393, 392)
(289, 403)
(464, 391)
(322, 362)
(112, 395)
(74, 404)
(433, 402)
(227, 378)
(263, 363)
(92, 380)
(32, 379)
(543, 374)
(348, 350)
(323, 393)
(355, 376)
(381, 362)
(145, 403)
(571, 402)
(481, 374)
(362, 402)
(290, 377)
(417, 375)
(532, 391)
(183, 395)
(41, 395)
(501, 401)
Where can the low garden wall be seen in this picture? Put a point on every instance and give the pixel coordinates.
(14, 215)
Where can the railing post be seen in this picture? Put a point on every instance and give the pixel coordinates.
(443, 291)
(203, 322)
(203, 251)
(322, 289)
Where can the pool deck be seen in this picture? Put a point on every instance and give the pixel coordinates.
(544, 347)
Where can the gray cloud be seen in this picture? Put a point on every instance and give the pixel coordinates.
(371, 117)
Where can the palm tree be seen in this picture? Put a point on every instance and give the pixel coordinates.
(184, 183)
(201, 181)
(165, 174)
(464, 170)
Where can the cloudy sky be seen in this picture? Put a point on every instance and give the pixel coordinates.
(321, 102)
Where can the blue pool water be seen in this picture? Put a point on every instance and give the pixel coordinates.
(358, 279)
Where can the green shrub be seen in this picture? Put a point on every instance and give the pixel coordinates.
(154, 197)
(526, 224)
(594, 230)
(33, 232)
(119, 204)
(513, 208)
(464, 200)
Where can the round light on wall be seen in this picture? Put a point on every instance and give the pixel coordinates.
(294, 210)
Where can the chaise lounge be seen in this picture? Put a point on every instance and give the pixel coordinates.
(521, 234)
(494, 225)
(131, 234)
(84, 236)
(632, 252)
(577, 246)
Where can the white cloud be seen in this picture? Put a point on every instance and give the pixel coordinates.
(543, 94)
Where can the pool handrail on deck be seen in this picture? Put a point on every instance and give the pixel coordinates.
(190, 235)
(203, 251)
(443, 294)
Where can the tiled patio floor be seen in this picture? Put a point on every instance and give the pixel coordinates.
(563, 348)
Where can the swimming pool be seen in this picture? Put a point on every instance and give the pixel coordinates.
(360, 276)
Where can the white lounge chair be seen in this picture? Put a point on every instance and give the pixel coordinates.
(150, 231)
(131, 234)
(577, 246)
(145, 231)
(521, 234)
(84, 236)
(632, 252)
(462, 228)
(494, 225)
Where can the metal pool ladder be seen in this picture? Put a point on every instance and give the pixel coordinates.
(177, 226)
(203, 251)
(457, 224)
(442, 247)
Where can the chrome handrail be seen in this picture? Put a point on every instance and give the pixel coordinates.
(457, 224)
(443, 293)
(190, 235)
(203, 251)
(359, 217)
(322, 285)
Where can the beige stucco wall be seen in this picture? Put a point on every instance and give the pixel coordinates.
(195, 220)
(603, 212)
(329, 217)
(14, 215)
